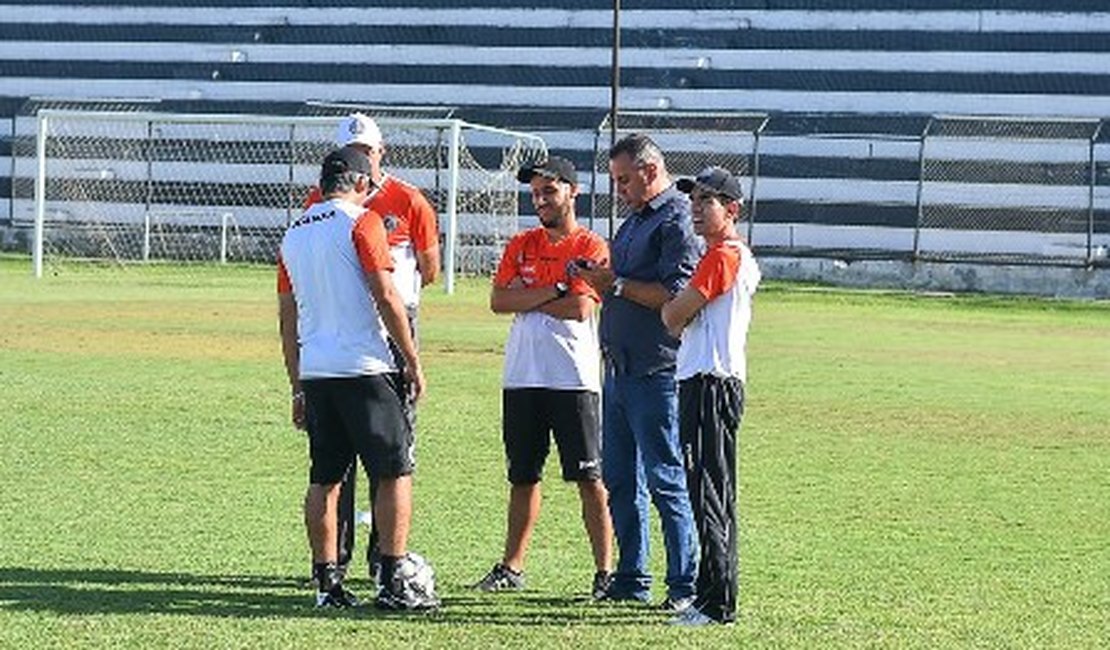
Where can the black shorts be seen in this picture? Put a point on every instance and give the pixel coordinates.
(357, 415)
(531, 415)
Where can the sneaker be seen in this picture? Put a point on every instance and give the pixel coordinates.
(676, 605)
(692, 617)
(337, 597)
(602, 581)
(412, 587)
(405, 601)
(500, 578)
(612, 595)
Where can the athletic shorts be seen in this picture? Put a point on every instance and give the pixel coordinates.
(357, 415)
(531, 415)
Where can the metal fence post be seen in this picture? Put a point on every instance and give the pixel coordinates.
(289, 179)
(1091, 195)
(919, 202)
(752, 200)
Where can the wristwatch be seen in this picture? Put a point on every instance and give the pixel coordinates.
(561, 289)
(618, 286)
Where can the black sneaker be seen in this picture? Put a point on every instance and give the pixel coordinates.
(602, 581)
(500, 578)
(337, 597)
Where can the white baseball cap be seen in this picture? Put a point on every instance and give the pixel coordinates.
(357, 128)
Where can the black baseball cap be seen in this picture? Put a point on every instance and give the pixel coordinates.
(343, 160)
(556, 168)
(713, 179)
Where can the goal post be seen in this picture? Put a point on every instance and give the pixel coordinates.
(140, 188)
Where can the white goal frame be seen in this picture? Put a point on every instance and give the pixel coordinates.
(452, 128)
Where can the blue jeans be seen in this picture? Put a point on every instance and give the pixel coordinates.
(641, 455)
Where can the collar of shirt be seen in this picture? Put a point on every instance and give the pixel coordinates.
(657, 202)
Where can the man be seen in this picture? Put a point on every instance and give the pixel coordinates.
(413, 236)
(653, 256)
(712, 315)
(551, 377)
(337, 304)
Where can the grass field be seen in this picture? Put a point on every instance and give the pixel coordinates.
(915, 472)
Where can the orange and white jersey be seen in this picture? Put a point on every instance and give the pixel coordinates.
(543, 351)
(715, 341)
(324, 258)
(411, 227)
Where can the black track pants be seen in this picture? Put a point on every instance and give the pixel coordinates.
(710, 409)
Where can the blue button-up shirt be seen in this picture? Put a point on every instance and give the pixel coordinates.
(656, 244)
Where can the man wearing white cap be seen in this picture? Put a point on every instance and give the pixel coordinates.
(413, 236)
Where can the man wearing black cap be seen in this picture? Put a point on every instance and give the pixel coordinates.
(711, 316)
(335, 292)
(551, 378)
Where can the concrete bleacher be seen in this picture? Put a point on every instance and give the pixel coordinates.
(866, 73)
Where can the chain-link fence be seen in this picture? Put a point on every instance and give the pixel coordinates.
(1008, 189)
(946, 188)
(691, 141)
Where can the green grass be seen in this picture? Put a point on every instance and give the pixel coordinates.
(915, 472)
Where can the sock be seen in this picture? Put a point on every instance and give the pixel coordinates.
(326, 575)
(389, 567)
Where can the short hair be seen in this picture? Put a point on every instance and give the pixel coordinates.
(340, 183)
(639, 147)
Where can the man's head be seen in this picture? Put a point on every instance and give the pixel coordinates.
(638, 170)
(716, 198)
(346, 171)
(362, 132)
(554, 185)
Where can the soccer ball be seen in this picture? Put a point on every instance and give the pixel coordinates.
(414, 580)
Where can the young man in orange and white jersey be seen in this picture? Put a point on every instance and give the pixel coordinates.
(711, 317)
(552, 375)
(338, 311)
(413, 235)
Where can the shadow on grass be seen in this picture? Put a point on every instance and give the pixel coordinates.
(120, 591)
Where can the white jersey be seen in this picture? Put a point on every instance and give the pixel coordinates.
(544, 351)
(548, 352)
(325, 256)
(715, 341)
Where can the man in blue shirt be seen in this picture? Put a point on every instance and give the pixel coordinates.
(652, 257)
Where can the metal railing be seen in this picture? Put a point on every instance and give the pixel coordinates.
(986, 189)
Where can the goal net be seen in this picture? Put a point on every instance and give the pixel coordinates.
(125, 189)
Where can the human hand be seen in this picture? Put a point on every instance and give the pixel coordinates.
(599, 277)
(414, 380)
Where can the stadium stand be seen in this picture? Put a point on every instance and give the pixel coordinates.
(848, 85)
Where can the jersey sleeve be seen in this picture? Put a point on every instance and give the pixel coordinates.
(508, 268)
(284, 284)
(370, 243)
(716, 272)
(423, 224)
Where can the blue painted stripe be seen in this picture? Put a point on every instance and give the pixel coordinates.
(554, 77)
(676, 38)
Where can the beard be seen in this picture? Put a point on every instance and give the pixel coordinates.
(553, 220)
